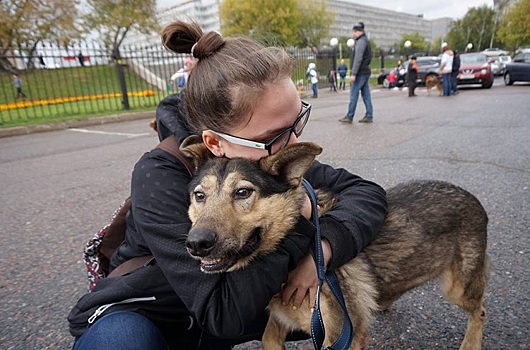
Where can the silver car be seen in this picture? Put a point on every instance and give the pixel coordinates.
(504, 60)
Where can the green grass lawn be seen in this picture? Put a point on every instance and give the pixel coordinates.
(52, 84)
(66, 82)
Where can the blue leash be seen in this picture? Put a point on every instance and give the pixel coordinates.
(318, 332)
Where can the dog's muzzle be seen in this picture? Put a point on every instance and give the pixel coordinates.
(202, 244)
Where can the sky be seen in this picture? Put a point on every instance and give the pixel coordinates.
(430, 9)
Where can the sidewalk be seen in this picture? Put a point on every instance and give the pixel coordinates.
(114, 118)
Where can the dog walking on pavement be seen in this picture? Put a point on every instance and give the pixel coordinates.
(433, 230)
(433, 81)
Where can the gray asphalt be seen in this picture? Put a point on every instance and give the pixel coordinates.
(59, 187)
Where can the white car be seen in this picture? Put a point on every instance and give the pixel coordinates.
(495, 66)
(494, 54)
(504, 60)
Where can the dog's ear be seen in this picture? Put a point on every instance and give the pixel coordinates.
(291, 162)
(195, 150)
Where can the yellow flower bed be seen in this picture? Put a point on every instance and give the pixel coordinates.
(54, 101)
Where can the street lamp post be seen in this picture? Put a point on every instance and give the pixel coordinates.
(407, 45)
(334, 42)
(351, 44)
(469, 47)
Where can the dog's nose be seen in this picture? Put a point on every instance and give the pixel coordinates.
(200, 242)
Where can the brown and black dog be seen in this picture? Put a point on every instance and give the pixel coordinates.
(433, 230)
(433, 81)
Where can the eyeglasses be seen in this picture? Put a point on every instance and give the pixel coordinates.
(279, 141)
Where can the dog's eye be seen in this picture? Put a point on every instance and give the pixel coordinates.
(199, 196)
(242, 193)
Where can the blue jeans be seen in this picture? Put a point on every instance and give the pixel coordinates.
(122, 330)
(126, 330)
(361, 85)
(446, 78)
(315, 89)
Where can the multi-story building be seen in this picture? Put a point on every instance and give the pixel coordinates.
(385, 27)
(205, 12)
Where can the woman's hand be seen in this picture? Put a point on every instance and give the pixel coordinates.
(303, 280)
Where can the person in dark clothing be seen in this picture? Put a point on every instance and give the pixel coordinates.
(360, 72)
(454, 73)
(412, 75)
(172, 304)
(332, 78)
(81, 59)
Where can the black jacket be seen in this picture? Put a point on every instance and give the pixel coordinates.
(360, 65)
(227, 305)
(456, 64)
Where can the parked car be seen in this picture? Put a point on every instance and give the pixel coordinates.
(504, 60)
(498, 63)
(518, 69)
(494, 52)
(428, 65)
(495, 65)
(475, 69)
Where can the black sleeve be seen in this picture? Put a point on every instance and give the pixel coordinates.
(355, 221)
(224, 304)
(172, 118)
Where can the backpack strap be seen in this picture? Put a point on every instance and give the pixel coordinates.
(131, 265)
(170, 145)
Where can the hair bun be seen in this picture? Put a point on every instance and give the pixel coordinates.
(179, 36)
(207, 45)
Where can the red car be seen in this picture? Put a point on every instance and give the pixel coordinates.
(475, 68)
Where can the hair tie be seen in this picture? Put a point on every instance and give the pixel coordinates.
(192, 48)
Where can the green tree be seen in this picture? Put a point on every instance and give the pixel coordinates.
(26, 23)
(514, 30)
(114, 19)
(314, 22)
(417, 43)
(435, 46)
(270, 21)
(279, 22)
(476, 28)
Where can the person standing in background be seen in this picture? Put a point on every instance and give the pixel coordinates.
(313, 77)
(81, 59)
(454, 73)
(412, 75)
(446, 68)
(180, 78)
(343, 70)
(359, 76)
(332, 78)
(18, 85)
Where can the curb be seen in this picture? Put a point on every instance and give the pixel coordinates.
(114, 118)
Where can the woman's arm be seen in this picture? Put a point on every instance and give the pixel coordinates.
(357, 217)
